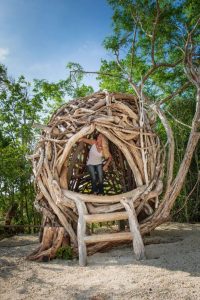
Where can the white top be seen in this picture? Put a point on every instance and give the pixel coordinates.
(95, 157)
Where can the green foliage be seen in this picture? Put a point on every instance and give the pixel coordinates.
(54, 94)
(65, 252)
(132, 39)
(22, 105)
(183, 110)
(116, 82)
(75, 88)
(18, 111)
(137, 45)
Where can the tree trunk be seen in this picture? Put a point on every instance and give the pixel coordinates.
(10, 215)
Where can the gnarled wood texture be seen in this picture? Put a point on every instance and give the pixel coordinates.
(59, 162)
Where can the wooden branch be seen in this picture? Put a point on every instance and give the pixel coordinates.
(141, 123)
(124, 150)
(84, 131)
(81, 232)
(41, 126)
(138, 245)
(94, 218)
(57, 211)
(170, 137)
(60, 198)
(61, 174)
(104, 199)
(40, 163)
(112, 237)
(51, 242)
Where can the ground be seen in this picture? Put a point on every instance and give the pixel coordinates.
(171, 270)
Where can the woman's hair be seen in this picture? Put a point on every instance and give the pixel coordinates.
(106, 152)
(95, 134)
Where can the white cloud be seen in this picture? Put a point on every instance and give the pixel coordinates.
(4, 52)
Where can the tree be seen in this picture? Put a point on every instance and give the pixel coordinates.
(155, 44)
(18, 111)
(58, 93)
(22, 105)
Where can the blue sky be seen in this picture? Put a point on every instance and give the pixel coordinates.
(39, 37)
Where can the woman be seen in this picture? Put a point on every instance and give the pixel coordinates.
(95, 166)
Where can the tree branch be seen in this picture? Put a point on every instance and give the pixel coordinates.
(98, 73)
(191, 70)
(133, 49)
(178, 91)
(134, 86)
(157, 66)
(138, 20)
(176, 120)
(154, 33)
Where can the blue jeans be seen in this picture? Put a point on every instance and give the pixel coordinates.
(96, 174)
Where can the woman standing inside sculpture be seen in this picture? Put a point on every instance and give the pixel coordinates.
(95, 165)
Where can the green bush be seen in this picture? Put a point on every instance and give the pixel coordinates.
(65, 252)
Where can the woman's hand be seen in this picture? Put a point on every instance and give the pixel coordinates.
(105, 168)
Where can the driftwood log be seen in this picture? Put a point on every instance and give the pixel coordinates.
(132, 184)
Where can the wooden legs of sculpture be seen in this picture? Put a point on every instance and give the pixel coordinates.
(134, 233)
(138, 245)
(81, 232)
(53, 238)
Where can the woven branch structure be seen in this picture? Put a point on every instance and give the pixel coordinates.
(132, 184)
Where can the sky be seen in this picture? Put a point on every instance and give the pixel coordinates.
(39, 37)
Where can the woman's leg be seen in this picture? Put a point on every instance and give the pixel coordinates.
(91, 170)
(99, 169)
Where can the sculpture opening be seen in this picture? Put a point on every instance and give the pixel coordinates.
(117, 179)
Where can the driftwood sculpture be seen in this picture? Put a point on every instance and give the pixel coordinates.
(132, 184)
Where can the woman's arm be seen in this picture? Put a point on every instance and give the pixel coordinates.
(105, 167)
(87, 141)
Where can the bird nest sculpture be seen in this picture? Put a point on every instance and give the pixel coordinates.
(131, 185)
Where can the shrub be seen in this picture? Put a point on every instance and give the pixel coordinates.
(65, 252)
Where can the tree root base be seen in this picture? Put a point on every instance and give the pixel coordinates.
(53, 238)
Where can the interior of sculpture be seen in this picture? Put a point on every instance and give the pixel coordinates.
(118, 179)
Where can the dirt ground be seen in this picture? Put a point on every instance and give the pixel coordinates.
(171, 270)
